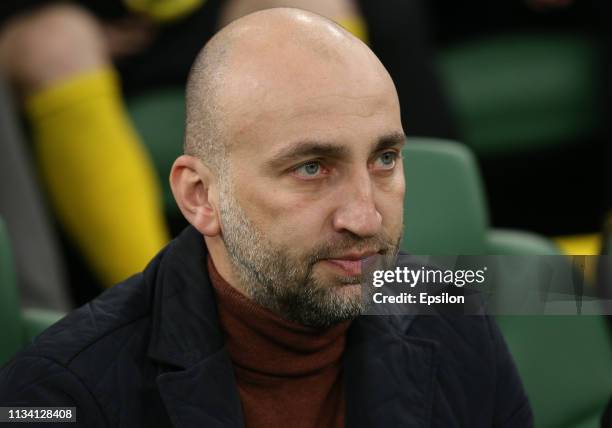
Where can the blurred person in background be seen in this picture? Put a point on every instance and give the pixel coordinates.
(71, 64)
(37, 257)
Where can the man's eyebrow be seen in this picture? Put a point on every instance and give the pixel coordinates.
(305, 149)
(390, 140)
(313, 148)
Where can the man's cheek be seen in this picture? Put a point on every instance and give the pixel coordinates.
(392, 214)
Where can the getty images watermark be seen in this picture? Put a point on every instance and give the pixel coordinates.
(413, 278)
(497, 285)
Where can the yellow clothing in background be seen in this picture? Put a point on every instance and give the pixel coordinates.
(164, 10)
(98, 174)
(356, 26)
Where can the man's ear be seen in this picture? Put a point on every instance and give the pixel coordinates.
(191, 183)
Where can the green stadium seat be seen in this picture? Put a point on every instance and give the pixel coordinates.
(565, 361)
(445, 210)
(159, 118)
(566, 366)
(17, 327)
(520, 92)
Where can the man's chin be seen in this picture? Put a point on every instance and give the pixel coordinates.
(331, 299)
(340, 285)
(348, 291)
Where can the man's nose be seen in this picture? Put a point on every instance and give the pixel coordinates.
(357, 212)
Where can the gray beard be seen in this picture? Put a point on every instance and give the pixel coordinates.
(284, 283)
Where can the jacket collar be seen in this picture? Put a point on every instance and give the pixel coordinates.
(186, 335)
(389, 377)
(185, 329)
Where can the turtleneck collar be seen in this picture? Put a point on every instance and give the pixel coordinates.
(261, 342)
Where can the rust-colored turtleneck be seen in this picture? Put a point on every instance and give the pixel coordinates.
(288, 375)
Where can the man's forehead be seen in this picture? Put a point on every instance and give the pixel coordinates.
(336, 115)
(312, 98)
(293, 77)
(356, 124)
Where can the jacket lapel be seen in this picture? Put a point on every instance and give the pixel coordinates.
(389, 377)
(204, 395)
(197, 383)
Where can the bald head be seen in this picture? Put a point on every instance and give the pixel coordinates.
(299, 126)
(265, 62)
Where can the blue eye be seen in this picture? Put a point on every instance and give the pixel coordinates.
(310, 169)
(387, 160)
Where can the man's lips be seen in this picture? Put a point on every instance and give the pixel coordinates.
(350, 264)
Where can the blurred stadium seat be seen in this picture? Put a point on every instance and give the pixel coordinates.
(565, 361)
(17, 327)
(522, 92)
(566, 366)
(159, 118)
(445, 211)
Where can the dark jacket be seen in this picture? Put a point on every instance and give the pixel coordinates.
(149, 353)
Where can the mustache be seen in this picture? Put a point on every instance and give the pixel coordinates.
(335, 249)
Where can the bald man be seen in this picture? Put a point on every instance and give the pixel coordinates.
(291, 177)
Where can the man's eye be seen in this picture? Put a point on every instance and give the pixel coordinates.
(386, 160)
(310, 169)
